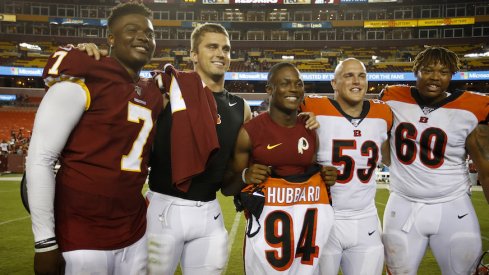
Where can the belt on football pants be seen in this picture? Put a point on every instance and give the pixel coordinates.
(415, 208)
(174, 201)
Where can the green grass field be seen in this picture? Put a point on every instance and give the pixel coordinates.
(16, 245)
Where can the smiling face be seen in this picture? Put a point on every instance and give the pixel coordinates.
(132, 40)
(432, 81)
(350, 82)
(212, 56)
(286, 89)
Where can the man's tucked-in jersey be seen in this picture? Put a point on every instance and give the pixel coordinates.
(104, 164)
(289, 151)
(353, 145)
(295, 225)
(428, 152)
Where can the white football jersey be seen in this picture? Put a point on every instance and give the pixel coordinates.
(353, 145)
(292, 230)
(428, 155)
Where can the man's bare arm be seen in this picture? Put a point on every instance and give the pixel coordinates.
(385, 150)
(244, 172)
(233, 182)
(478, 147)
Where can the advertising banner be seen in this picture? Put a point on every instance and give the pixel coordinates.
(326, 1)
(215, 1)
(390, 23)
(353, 1)
(298, 25)
(257, 1)
(446, 21)
(262, 76)
(297, 2)
(8, 17)
(77, 21)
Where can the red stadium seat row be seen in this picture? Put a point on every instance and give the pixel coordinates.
(15, 118)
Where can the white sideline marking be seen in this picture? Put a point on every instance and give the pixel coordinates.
(231, 237)
(18, 179)
(14, 220)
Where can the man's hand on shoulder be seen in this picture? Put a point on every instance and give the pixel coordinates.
(310, 120)
(92, 50)
(49, 263)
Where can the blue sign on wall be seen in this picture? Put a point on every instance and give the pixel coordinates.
(262, 76)
(299, 25)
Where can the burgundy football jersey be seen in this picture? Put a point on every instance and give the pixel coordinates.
(289, 151)
(104, 164)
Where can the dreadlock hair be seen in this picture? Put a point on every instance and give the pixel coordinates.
(125, 9)
(435, 55)
(275, 68)
(200, 30)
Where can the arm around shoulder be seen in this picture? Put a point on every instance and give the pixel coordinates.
(478, 147)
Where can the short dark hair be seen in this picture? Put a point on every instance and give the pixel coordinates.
(200, 30)
(435, 55)
(125, 9)
(275, 68)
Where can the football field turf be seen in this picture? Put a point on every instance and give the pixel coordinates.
(16, 242)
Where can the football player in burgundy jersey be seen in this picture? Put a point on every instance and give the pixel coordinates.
(433, 130)
(97, 118)
(360, 130)
(278, 141)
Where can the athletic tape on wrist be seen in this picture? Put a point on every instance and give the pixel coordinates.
(243, 175)
(46, 249)
(45, 242)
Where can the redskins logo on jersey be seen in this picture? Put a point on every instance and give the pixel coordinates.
(302, 145)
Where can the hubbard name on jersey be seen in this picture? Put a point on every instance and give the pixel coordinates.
(297, 217)
(429, 142)
(353, 145)
(292, 229)
(104, 163)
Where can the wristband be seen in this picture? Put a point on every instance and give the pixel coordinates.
(46, 249)
(45, 243)
(243, 175)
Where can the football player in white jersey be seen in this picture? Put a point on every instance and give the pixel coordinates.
(354, 147)
(433, 130)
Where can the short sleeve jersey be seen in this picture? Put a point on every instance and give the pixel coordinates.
(353, 145)
(289, 151)
(104, 164)
(428, 155)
